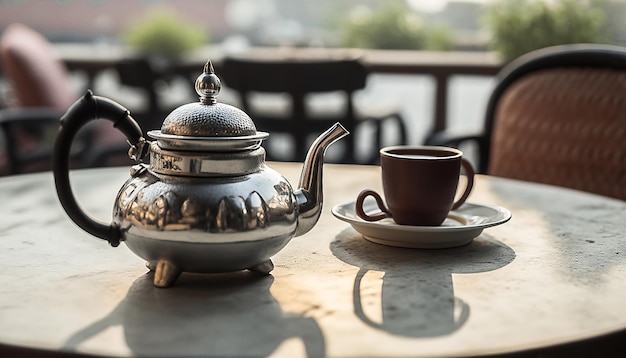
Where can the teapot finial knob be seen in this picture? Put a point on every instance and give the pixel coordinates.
(208, 85)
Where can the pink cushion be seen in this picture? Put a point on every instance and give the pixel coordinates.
(37, 76)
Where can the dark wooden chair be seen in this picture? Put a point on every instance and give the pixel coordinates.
(143, 74)
(42, 89)
(298, 79)
(557, 116)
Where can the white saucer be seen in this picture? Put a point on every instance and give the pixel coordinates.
(460, 228)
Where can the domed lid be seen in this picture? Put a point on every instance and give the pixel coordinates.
(208, 125)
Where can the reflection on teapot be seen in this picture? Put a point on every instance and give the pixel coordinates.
(206, 202)
(417, 298)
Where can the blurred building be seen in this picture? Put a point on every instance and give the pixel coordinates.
(257, 22)
(88, 20)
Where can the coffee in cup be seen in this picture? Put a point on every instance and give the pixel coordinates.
(419, 185)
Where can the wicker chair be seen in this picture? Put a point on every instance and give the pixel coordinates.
(557, 116)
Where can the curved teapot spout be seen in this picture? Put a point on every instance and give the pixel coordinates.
(309, 193)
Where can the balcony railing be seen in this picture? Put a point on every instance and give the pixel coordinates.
(440, 65)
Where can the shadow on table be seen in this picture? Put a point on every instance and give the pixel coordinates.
(417, 293)
(230, 314)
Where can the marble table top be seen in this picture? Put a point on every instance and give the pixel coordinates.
(551, 276)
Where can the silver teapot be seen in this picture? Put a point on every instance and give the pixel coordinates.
(207, 201)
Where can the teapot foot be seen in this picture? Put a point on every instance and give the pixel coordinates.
(165, 273)
(264, 267)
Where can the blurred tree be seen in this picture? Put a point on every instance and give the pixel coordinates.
(521, 26)
(163, 33)
(391, 27)
(615, 26)
(439, 38)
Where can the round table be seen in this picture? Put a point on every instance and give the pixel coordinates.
(550, 281)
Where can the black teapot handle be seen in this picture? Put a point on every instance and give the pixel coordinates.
(84, 110)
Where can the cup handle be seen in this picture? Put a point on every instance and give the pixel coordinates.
(379, 202)
(469, 173)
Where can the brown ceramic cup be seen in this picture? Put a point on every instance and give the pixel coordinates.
(419, 184)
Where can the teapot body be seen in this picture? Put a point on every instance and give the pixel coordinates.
(206, 202)
(206, 224)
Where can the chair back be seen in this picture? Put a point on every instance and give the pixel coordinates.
(298, 78)
(558, 116)
(43, 90)
(37, 76)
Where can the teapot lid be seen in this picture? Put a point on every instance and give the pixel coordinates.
(208, 125)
